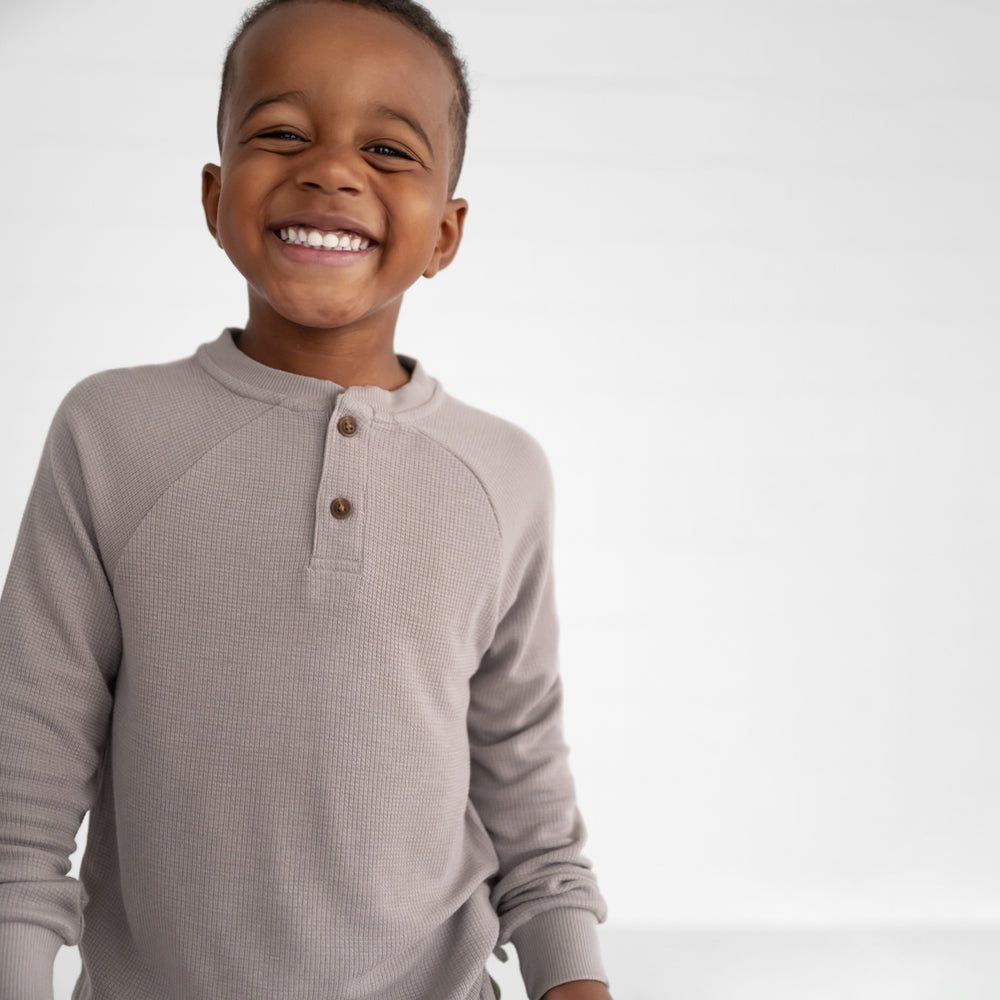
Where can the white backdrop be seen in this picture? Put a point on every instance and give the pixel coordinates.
(734, 263)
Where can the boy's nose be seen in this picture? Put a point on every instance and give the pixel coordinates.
(330, 168)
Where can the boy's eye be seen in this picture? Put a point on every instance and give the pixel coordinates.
(381, 149)
(280, 133)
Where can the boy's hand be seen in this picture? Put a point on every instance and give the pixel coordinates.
(579, 989)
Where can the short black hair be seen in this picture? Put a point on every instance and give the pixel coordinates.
(407, 11)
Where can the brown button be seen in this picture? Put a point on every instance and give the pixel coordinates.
(347, 426)
(341, 508)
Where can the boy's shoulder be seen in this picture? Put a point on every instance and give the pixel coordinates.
(508, 461)
(485, 434)
(121, 437)
(169, 409)
(126, 397)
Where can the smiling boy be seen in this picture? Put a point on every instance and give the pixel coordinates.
(280, 615)
(299, 98)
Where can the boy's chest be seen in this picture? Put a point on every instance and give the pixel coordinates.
(324, 538)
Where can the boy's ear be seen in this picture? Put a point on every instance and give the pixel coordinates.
(211, 188)
(449, 236)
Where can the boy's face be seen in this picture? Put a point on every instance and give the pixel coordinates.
(337, 130)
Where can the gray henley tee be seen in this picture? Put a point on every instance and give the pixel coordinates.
(294, 647)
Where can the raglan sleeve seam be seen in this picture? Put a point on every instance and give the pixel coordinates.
(521, 783)
(186, 470)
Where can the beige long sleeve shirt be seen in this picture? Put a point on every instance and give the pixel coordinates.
(294, 647)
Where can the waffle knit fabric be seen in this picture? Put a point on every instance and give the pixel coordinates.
(320, 740)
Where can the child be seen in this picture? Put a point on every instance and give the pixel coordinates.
(280, 614)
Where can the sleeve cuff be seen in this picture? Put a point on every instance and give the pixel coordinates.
(558, 946)
(27, 955)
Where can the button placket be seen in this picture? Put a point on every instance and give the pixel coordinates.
(341, 502)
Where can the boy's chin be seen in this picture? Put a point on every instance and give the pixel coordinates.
(324, 318)
(309, 313)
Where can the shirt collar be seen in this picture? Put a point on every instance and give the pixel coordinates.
(225, 362)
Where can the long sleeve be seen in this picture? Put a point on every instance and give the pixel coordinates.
(279, 798)
(546, 895)
(59, 648)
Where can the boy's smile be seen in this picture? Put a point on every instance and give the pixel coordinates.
(332, 197)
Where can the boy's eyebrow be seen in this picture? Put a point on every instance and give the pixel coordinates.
(293, 96)
(383, 111)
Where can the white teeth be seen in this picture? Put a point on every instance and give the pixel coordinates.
(317, 239)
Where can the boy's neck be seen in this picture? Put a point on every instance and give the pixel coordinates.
(342, 361)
